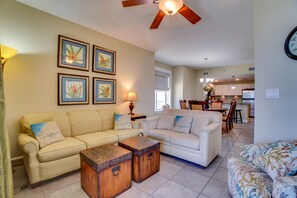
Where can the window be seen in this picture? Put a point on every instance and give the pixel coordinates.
(162, 89)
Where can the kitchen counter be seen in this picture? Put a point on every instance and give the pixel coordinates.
(245, 109)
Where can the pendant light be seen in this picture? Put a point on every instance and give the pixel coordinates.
(206, 80)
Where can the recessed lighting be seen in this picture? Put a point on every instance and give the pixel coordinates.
(237, 79)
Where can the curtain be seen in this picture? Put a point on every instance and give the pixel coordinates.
(161, 81)
(6, 179)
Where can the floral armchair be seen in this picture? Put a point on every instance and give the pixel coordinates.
(264, 170)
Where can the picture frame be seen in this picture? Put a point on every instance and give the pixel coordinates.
(104, 91)
(73, 89)
(104, 60)
(73, 54)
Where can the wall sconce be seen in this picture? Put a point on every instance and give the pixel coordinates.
(6, 53)
(131, 97)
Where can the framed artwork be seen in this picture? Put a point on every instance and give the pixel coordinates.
(104, 91)
(73, 89)
(73, 54)
(104, 60)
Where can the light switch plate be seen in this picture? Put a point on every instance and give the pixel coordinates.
(272, 93)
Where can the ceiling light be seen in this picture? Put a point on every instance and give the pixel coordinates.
(237, 79)
(206, 80)
(233, 86)
(170, 7)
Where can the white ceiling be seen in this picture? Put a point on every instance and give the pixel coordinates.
(224, 35)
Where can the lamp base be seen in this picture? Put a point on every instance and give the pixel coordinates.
(131, 107)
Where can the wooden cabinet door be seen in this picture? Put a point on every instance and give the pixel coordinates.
(238, 90)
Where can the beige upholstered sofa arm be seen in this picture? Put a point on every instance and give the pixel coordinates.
(211, 127)
(28, 144)
(150, 123)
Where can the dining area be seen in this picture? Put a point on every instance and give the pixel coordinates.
(228, 114)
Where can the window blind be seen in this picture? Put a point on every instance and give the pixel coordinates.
(161, 81)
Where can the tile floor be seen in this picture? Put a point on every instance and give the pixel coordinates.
(176, 178)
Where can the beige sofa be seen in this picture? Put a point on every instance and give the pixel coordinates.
(201, 145)
(82, 130)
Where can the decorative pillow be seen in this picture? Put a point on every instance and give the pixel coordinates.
(166, 122)
(122, 121)
(279, 161)
(47, 133)
(183, 124)
(28, 129)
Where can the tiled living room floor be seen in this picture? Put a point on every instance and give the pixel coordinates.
(176, 179)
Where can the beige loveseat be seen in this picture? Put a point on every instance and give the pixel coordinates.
(201, 145)
(82, 130)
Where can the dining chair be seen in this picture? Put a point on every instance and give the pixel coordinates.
(183, 104)
(196, 105)
(217, 104)
(228, 119)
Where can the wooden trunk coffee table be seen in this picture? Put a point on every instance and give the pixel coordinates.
(105, 170)
(146, 156)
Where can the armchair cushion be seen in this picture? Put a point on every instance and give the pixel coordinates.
(278, 161)
(182, 124)
(251, 151)
(247, 180)
(285, 187)
(166, 122)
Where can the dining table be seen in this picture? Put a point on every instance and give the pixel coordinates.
(222, 110)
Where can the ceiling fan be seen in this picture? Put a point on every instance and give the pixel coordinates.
(167, 7)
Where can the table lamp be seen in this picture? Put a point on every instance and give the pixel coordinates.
(131, 97)
(6, 53)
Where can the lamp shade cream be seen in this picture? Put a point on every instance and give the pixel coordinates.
(131, 96)
(7, 52)
(170, 7)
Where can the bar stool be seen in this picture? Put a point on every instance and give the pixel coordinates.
(235, 115)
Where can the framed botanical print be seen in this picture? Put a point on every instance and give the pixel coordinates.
(73, 54)
(104, 60)
(73, 89)
(104, 91)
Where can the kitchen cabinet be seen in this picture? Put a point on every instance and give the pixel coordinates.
(228, 91)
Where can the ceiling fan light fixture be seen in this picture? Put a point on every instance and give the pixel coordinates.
(170, 7)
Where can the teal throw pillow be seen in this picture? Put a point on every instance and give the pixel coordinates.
(182, 124)
(122, 121)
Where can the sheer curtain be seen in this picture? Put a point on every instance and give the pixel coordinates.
(6, 181)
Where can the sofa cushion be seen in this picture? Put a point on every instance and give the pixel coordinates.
(58, 150)
(278, 161)
(123, 134)
(246, 180)
(61, 119)
(46, 133)
(185, 140)
(83, 122)
(198, 124)
(182, 124)
(166, 122)
(107, 117)
(161, 135)
(97, 139)
(122, 121)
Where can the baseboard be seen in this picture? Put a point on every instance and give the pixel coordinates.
(17, 162)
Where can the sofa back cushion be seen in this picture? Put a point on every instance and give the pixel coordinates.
(166, 122)
(198, 124)
(107, 117)
(61, 119)
(83, 122)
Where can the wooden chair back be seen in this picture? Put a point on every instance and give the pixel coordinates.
(231, 109)
(183, 104)
(217, 104)
(196, 105)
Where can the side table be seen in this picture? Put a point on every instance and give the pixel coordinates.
(137, 116)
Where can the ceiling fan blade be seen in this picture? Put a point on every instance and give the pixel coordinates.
(189, 14)
(136, 2)
(158, 19)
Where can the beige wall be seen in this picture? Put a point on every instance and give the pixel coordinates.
(31, 76)
(275, 119)
(163, 66)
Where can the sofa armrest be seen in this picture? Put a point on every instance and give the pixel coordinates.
(251, 151)
(28, 144)
(150, 123)
(210, 128)
(285, 187)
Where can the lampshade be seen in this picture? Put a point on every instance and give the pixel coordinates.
(7, 52)
(131, 96)
(170, 7)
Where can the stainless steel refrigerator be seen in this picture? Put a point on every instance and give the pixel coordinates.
(248, 97)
